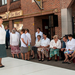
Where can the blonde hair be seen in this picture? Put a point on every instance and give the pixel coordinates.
(55, 36)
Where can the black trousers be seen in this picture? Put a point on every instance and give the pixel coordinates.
(7, 42)
(62, 55)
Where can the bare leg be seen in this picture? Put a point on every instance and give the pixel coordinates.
(56, 57)
(18, 55)
(39, 53)
(0, 61)
(22, 56)
(72, 58)
(13, 55)
(42, 56)
(33, 53)
(66, 58)
(28, 53)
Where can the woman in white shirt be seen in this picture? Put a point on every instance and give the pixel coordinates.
(14, 43)
(37, 45)
(29, 42)
(24, 44)
(55, 45)
(44, 48)
(2, 42)
(39, 33)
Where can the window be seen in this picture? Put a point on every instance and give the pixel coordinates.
(14, 0)
(4, 2)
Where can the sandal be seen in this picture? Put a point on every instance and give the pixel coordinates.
(42, 59)
(2, 66)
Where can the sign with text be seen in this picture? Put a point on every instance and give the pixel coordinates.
(12, 14)
(39, 3)
(15, 14)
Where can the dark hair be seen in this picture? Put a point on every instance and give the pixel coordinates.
(0, 17)
(66, 37)
(28, 30)
(38, 28)
(70, 35)
(23, 30)
(39, 36)
(45, 33)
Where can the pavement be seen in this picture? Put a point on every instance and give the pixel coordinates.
(15, 66)
(50, 63)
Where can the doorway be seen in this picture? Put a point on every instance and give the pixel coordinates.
(47, 29)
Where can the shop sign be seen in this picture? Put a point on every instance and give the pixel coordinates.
(12, 14)
(39, 3)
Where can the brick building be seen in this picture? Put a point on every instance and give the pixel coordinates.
(27, 14)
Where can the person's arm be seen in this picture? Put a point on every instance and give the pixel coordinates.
(10, 40)
(23, 41)
(51, 44)
(59, 44)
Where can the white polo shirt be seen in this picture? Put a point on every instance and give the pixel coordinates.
(45, 42)
(29, 38)
(70, 45)
(40, 33)
(25, 40)
(2, 35)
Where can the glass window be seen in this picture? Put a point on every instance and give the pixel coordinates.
(4, 2)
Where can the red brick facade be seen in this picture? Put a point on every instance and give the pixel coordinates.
(33, 15)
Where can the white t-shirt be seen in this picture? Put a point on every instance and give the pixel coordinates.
(29, 38)
(18, 34)
(14, 39)
(45, 42)
(38, 43)
(2, 35)
(40, 33)
(70, 45)
(53, 44)
(25, 40)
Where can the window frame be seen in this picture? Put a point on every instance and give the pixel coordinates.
(4, 3)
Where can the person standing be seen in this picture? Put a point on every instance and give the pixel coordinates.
(17, 32)
(29, 42)
(7, 36)
(24, 44)
(14, 43)
(2, 42)
(39, 33)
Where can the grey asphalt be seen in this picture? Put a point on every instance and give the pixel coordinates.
(52, 62)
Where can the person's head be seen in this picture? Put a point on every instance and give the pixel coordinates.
(38, 29)
(13, 31)
(22, 31)
(28, 30)
(1, 20)
(65, 38)
(55, 37)
(39, 37)
(44, 35)
(25, 31)
(6, 27)
(70, 36)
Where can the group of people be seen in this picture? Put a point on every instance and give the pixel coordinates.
(44, 47)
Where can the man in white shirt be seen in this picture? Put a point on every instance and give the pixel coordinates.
(38, 33)
(70, 47)
(2, 42)
(44, 47)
